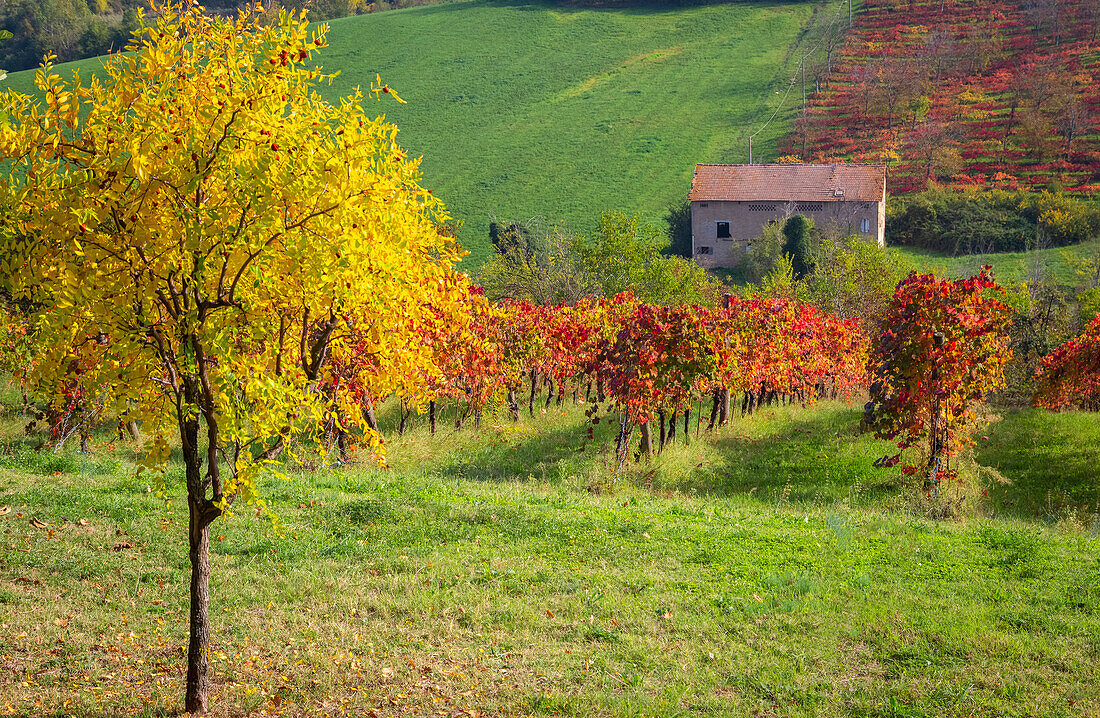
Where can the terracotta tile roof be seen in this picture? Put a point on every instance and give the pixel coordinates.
(802, 183)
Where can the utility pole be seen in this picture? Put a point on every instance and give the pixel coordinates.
(803, 87)
(849, 14)
(803, 109)
(750, 149)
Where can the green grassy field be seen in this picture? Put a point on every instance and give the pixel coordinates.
(528, 109)
(1010, 267)
(764, 570)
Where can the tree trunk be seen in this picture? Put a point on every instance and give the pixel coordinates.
(716, 401)
(404, 423)
(549, 392)
(342, 445)
(534, 382)
(431, 416)
(663, 433)
(513, 405)
(198, 665)
(687, 426)
(622, 441)
(369, 416)
(724, 409)
(672, 427)
(646, 446)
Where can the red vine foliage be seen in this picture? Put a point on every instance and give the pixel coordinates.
(662, 355)
(943, 348)
(1069, 377)
(964, 92)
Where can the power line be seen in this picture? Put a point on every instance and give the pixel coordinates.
(801, 64)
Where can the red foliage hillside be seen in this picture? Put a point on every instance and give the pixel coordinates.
(964, 92)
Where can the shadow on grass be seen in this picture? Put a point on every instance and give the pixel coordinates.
(33, 454)
(817, 457)
(541, 455)
(1052, 460)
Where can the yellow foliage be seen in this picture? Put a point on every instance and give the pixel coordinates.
(224, 232)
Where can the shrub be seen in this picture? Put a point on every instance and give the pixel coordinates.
(978, 220)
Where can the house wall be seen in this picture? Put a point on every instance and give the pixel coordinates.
(748, 219)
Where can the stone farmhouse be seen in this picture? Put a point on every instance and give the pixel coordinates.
(731, 204)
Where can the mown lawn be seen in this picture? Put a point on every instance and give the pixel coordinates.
(538, 109)
(764, 570)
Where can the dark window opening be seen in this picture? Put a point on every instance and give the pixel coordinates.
(723, 230)
(704, 250)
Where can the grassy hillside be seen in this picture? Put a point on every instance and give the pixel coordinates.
(972, 92)
(529, 109)
(765, 570)
(1010, 267)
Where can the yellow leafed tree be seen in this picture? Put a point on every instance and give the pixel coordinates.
(217, 231)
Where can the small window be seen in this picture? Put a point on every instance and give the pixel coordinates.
(865, 226)
(761, 207)
(809, 206)
(723, 230)
(704, 250)
(702, 204)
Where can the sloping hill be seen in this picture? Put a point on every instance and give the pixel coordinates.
(979, 92)
(529, 109)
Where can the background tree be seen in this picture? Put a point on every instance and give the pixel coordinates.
(213, 227)
(679, 228)
(852, 278)
(1040, 322)
(623, 254)
(934, 146)
(43, 27)
(532, 264)
(797, 244)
